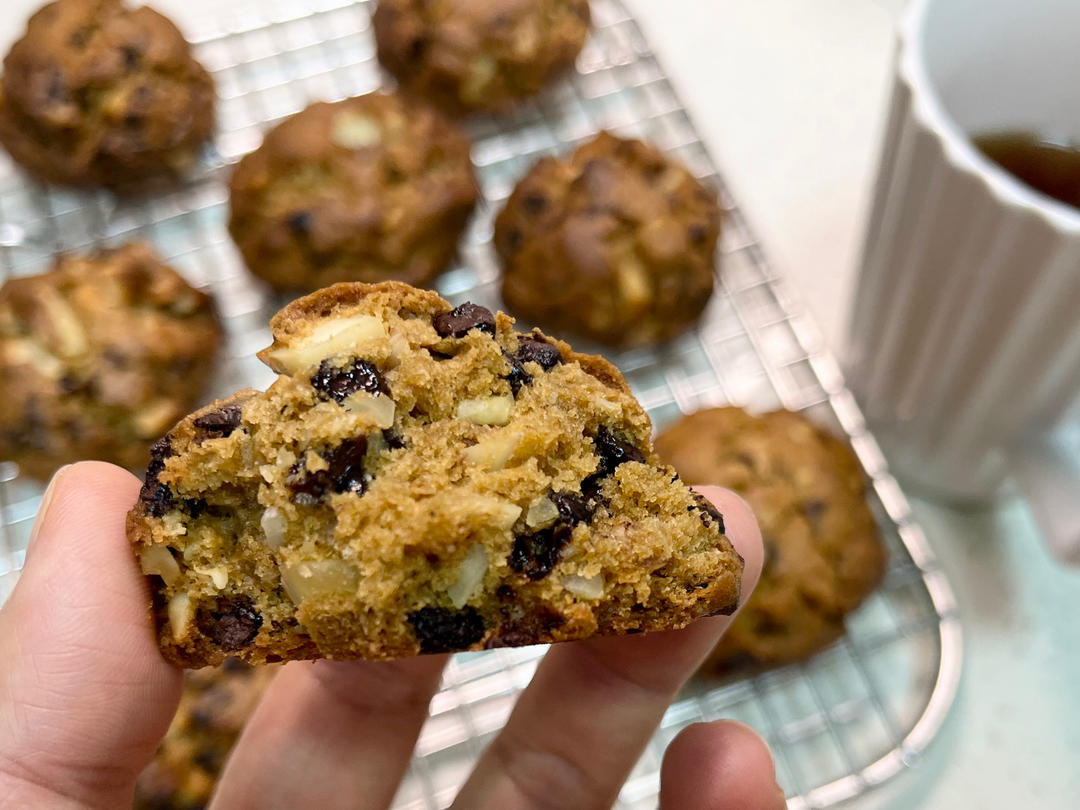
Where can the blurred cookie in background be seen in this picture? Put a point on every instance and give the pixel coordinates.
(823, 551)
(371, 188)
(99, 357)
(466, 55)
(97, 93)
(214, 707)
(614, 243)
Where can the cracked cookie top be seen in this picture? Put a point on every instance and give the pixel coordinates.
(99, 357)
(96, 93)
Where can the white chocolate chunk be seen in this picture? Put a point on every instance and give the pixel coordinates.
(179, 611)
(378, 406)
(317, 578)
(273, 526)
(470, 574)
(329, 338)
(218, 574)
(584, 587)
(157, 559)
(542, 513)
(494, 451)
(486, 410)
(354, 130)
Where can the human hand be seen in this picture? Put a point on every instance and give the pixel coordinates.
(85, 696)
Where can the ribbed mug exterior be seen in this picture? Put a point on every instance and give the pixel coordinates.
(965, 332)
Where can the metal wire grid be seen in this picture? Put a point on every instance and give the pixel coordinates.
(840, 724)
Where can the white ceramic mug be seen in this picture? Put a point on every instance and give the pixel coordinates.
(964, 344)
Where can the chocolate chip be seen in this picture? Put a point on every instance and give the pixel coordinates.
(459, 321)
(514, 239)
(209, 759)
(132, 56)
(814, 511)
(395, 441)
(345, 473)
(518, 376)
(155, 496)
(534, 349)
(443, 630)
(533, 628)
(573, 509)
(220, 423)
(233, 625)
(614, 451)
(504, 592)
(531, 349)
(709, 513)
(534, 555)
(534, 203)
(347, 466)
(69, 384)
(339, 382)
(299, 222)
(194, 506)
(79, 37)
(697, 234)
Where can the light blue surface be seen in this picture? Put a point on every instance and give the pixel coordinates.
(1013, 737)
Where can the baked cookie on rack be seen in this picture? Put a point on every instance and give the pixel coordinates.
(466, 55)
(366, 189)
(97, 93)
(99, 357)
(823, 552)
(613, 243)
(214, 708)
(420, 478)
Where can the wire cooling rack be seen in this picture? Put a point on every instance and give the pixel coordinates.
(839, 724)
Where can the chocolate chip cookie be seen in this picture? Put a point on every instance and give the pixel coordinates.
(367, 189)
(823, 552)
(420, 478)
(99, 357)
(466, 55)
(614, 243)
(214, 707)
(96, 93)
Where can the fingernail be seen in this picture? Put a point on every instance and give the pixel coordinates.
(43, 509)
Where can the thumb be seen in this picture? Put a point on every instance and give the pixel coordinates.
(721, 765)
(85, 696)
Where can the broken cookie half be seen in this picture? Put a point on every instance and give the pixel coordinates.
(420, 478)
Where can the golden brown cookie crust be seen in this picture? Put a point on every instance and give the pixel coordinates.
(420, 478)
(465, 55)
(96, 93)
(823, 551)
(215, 705)
(614, 243)
(98, 357)
(366, 189)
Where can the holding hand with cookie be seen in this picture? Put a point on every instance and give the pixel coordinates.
(87, 696)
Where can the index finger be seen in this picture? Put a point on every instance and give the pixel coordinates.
(591, 707)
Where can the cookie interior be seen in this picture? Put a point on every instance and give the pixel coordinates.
(419, 479)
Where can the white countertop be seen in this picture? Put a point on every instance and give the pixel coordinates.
(790, 95)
